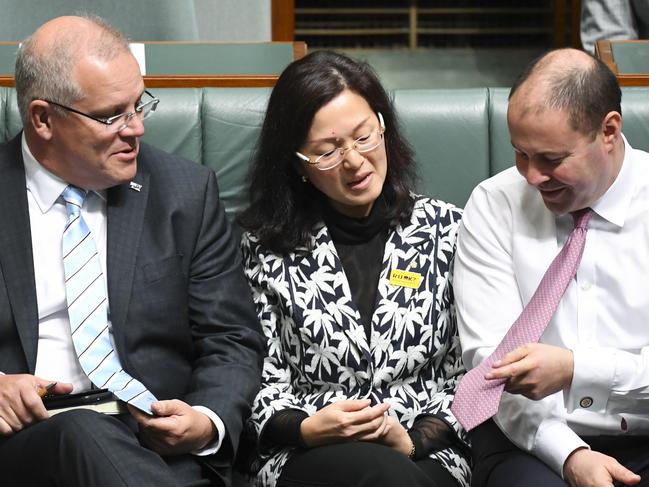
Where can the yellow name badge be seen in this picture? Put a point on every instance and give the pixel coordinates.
(405, 279)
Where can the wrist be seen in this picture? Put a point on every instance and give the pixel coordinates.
(413, 449)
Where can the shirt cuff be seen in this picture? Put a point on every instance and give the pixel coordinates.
(592, 380)
(214, 445)
(554, 442)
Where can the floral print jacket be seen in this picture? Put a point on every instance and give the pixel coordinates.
(318, 351)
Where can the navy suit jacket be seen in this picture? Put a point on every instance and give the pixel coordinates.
(181, 312)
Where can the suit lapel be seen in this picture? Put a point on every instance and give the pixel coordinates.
(16, 258)
(319, 285)
(126, 208)
(411, 249)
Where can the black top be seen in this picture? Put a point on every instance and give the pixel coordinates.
(360, 243)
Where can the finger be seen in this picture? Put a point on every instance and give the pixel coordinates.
(5, 429)
(513, 356)
(376, 433)
(61, 388)
(169, 407)
(352, 404)
(11, 420)
(164, 425)
(369, 427)
(141, 417)
(623, 474)
(515, 369)
(34, 409)
(368, 415)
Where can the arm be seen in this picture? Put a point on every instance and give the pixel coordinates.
(264, 274)
(488, 301)
(227, 346)
(616, 380)
(437, 425)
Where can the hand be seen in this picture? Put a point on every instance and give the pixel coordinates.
(395, 436)
(176, 428)
(586, 468)
(20, 402)
(347, 420)
(535, 370)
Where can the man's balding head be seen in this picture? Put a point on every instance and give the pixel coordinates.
(45, 63)
(571, 81)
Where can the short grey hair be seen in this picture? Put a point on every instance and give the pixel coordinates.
(45, 72)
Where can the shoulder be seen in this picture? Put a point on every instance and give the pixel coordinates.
(173, 168)
(429, 211)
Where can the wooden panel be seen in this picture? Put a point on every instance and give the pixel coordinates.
(283, 20)
(604, 51)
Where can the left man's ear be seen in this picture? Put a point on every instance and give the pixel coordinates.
(40, 114)
(612, 128)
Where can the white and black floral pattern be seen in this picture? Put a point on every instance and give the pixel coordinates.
(318, 351)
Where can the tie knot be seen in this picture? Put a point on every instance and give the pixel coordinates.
(74, 198)
(582, 217)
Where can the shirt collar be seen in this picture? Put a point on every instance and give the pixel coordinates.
(44, 186)
(614, 205)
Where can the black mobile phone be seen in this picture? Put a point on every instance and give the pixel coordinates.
(56, 401)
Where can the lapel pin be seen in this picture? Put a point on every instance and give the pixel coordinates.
(135, 186)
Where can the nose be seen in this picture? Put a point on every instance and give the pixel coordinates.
(352, 159)
(134, 127)
(531, 171)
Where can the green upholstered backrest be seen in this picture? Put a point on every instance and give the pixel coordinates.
(449, 131)
(460, 137)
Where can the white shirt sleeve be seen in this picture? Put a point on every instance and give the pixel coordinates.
(214, 446)
(488, 301)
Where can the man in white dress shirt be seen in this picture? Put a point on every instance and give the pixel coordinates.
(576, 405)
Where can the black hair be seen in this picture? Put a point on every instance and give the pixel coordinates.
(283, 209)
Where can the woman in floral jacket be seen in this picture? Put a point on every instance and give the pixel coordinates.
(350, 273)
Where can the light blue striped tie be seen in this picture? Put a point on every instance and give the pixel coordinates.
(88, 309)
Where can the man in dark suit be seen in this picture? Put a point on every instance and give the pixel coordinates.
(178, 319)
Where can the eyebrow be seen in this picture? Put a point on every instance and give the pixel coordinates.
(119, 107)
(547, 154)
(333, 139)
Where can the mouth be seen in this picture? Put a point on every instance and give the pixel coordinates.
(128, 153)
(361, 182)
(552, 193)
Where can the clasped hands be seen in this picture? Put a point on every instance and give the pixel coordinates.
(355, 420)
(175, 428)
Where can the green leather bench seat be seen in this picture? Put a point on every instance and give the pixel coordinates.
(460, 136)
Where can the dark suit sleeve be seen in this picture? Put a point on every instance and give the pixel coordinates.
(225, 331)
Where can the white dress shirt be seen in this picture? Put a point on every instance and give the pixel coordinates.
(506, 242)
(56, 358)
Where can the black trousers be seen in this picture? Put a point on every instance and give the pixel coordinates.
(359, 464)
(497, 462)
(87, 449)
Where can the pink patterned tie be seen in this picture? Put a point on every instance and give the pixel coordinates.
(476, 398)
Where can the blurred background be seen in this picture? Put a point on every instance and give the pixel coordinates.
(440, 43)
(411, 43)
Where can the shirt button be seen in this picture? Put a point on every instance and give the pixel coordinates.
(586, 402)
(586, 286)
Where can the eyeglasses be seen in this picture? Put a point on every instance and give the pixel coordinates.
(117, 123)
(334, 157)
